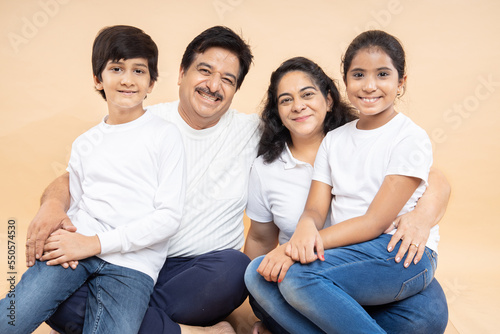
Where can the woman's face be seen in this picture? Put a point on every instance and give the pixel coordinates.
(301, 106)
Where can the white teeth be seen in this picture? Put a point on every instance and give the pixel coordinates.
(373, 99)
(208, 97)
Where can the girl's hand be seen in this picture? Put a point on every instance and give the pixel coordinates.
(63, 246)
(304, 241)
(275, 265)
(413, 235)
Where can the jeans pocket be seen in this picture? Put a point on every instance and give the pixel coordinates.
(413, 286)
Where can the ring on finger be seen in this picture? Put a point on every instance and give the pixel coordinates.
(416, 245)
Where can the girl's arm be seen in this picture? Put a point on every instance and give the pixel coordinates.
(414, 227)
(261, 239)
(393, 194)
(306, 237)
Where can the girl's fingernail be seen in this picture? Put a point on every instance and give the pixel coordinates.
(398, 259)
(406, 265)
(280, 280)
(390, 248)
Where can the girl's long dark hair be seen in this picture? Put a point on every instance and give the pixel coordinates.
(274, 133)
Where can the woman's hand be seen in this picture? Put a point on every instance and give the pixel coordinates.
(275, 264)
(63, 246)
(304, 241)
(413, 234)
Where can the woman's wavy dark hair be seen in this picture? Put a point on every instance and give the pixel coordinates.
(274, 133)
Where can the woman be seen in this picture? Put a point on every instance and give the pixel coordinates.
(302, 105)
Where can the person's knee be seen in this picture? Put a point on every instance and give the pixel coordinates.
(237, 260)
(291, 284)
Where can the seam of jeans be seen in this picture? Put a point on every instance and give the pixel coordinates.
(432, 256)
(405, 283)
(99, 304)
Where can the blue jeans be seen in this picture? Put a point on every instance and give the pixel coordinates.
(327, 296)
(117, 299)
(197, 291)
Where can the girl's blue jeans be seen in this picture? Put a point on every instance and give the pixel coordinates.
(357, 289)
(117, 300)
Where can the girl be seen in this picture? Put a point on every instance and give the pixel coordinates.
(370, 171)
(266, 205)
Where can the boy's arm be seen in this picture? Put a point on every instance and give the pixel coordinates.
(416, 225)
(50, 217)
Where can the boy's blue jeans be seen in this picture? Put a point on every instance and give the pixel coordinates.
(328, 296)
(117, 300)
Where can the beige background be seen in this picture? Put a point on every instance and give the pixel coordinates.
(453, 92)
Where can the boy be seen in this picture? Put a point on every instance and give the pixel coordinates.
(127, 178)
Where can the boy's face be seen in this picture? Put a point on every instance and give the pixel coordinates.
(207, 87)
(126, 84)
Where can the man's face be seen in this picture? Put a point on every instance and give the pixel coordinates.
(207, 87)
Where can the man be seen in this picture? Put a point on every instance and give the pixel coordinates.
(202, 280)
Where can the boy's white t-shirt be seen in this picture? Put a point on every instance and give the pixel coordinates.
(355, 162)
(127, 185)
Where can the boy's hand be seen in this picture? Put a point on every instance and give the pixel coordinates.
(303, 242)
(275, 265)
(63, 246)
(48, 219)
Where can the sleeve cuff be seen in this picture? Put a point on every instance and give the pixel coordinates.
(110, 241)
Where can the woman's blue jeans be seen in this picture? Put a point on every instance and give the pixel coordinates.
(357, 289)
(117, 300)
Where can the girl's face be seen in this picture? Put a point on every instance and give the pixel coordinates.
(372, 84)
(301, 106)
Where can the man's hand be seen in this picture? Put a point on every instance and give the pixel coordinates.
(275, 265)
(49, 218)
(63, 246)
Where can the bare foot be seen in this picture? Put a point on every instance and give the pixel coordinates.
(222, 327)
(259, 328)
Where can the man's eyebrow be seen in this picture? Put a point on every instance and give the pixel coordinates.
(210, 67)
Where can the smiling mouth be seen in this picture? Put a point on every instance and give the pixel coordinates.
(301, 119)
(209, 96)
(127, 92)
(369, 99)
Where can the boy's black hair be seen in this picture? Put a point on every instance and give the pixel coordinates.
(123, 42)
(221, 37)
